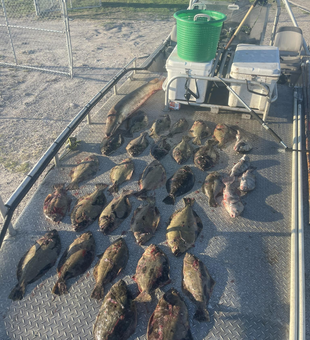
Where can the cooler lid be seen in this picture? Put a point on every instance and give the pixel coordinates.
(256, 60)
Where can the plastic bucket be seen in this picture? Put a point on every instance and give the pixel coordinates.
(198, 34)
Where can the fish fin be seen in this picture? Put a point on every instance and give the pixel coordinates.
(197, 141)
(18, 292)
(143, 297)
(58, 185)
(188, 201)
(113, 188)
(72, 186)
(100, 186)
(169, 200)
(60, 287)
(140, 194)
(98, 292)
(202, 314)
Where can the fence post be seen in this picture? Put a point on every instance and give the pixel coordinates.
(12, 231)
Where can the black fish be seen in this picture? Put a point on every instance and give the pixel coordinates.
(160, 149)
(206, 156)
(110, 144)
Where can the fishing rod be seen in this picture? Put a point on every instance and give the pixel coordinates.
(262, 123)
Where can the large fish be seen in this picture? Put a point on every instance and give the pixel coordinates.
(160, 125)
(152, 272)
(212, 187)
(76, 259)
(223, 134)
(88, 208)
(83, 171)
(129, 104)
(169, 320)
(111, 263)
(36, 262)
(179, 184)
(117, 318)
(231, 198)
(198, 284)
(56, 204)
(199, 130)
(206, 156)
(184, 226)
(111, 144)
(160, 149)
(120, 173)
(240, 167)
(182, 151)
(136, 146)
(178, 127)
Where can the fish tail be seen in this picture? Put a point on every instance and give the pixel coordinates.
(113, 188)
(197, 141)
(188, 201)
(72, 186)
(202, 314)
(18, 292)
(98, 292)
(143, 297)
(169, 200)
(101, 186)
(139, 194)
(60, 287)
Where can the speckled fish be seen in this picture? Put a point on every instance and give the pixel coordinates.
(86, 169)
(231, 198)
(179, 184)
(111, 144)
(178, 127)
(152, 272)
(110, 264)
(160, 149)
(136, 146)
(88, 208)
(36, 262)
(182, 152)
(212, 187)
(199, 131)
(145, 221)
(206, 157)
(223, 134)
(56, 204)
(169, 320)
(247, 181)
(121, 173)
(242, 145)
(115, 212)
(130, 104)
(160, 125)
(117, 317)
(240, 167)
(76, 259)
(184, 227)
(198, 284)
(137, 122)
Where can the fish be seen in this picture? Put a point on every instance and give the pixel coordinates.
(130, 104)
(111, 144)
(181, 182)
(145, 221)
(178, 127)
(169, 320)
(137, 122)
(231, 199)
(242, 145)
(56, 204)
(136, 146)
(240, 167)
(76, 259)
(199, 131)
(160, 149)
(88, 208)
(115, 212)
(36, 262)
(86, 169)
(184, 227)
(160, 125)
(110, 264)
(206, 156)
(120, 173)
(212, 187)
(182, 152)
(117, 317)
(198, 284)
(223, 134)
(247, 181)
(152, 272)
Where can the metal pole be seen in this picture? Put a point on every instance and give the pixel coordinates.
(64, 12)
(275, 23)
(9, 32)
(3, 209)
(37, 7)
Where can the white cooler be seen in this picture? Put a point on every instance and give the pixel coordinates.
(176, 66)
(258, 63)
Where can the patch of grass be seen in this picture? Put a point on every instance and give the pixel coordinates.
(13, 165)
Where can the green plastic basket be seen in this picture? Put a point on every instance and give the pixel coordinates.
(198, 34)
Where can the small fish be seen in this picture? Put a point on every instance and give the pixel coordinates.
(117, 317)
(178, 127)
(242, 145)
(110, 264)
(76, 259)
(136, 146)
(36, 262)
(160, 125)
(169, 320)
(121, 173)
(111, 144)
(88, 208)
(160, 149)
(239, 168)
(223, 134)
(199, 131)
(212, 187)
(115, 212)
(182, 152)
(247, 181)
(198, 284)
(56, 204)
(152, 272)
(137, 122)
(206, 156)
(231, 199)
(184, 227)
(145, 221)
(83, 171)
(179, 184)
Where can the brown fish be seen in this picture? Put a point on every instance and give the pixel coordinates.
(160, 149)
(136, 146)
(212, 187)
(182, 151)
(199, 131)
(120, 173)
(137, 122)
(160, 125)
(111, 144)
(206, 156)
(223, 134)
(178, 127)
